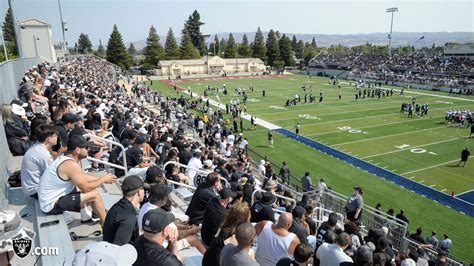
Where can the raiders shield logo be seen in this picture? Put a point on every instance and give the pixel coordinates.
(22, 246)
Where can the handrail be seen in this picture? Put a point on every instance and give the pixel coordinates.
(276, 195)
(197, 170)
(181, 184)
(124, 167)
(431, 253)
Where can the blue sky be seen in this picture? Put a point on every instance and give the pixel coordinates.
(134, 17)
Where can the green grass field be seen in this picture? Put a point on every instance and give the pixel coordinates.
(423, 149)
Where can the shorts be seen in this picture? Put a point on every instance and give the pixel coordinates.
(69, 202)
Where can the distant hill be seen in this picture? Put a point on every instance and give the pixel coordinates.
(326, 40)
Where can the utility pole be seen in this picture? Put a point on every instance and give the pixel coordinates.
(4, 48)
(63, 27)
(391, 10)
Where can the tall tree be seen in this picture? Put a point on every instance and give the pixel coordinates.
(258, 47)
(84, 44)
(313, 43)
(222, 47)
(214, 46)
(278, 35)
(192, 27)
(153, 50)
(273, 50)
(294, 44)
(231, 47)
(244, 49)
(116, 52)
(100, 49)
(9, 30)
(171, 46)
(300, 49)
(286, 52)
(131, 49)
(188, 51)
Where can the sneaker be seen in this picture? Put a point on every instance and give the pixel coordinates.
(91, 220)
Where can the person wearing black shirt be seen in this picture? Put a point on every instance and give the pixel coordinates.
(120, 226)
(263, 210)
(323, 229)
(298, 224)
(418, 237)
(149, 246)
(214, 214)
(203, 194)
(64, 126)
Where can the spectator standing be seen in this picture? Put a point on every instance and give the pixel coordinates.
(279, 242)
(306, 182)
(402, 216)
(214, 214)
(121, 224)
(263, 210)
(446, 243)
(432, 240)
(270, 138)
(354, 206)
(203, 194)
(232, 255)
(284, 172)
(300, 228)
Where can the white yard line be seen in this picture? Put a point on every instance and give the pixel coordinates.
(432, 166)
(411, 147)
(472, 190)
(434, 95)
(386, 136)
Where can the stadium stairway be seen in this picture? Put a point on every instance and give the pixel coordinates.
(421, 189)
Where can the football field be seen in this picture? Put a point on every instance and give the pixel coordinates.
(423, 149)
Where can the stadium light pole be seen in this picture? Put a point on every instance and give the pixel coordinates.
(63, 26)
(391, 10)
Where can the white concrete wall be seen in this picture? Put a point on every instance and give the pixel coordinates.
(42, 46)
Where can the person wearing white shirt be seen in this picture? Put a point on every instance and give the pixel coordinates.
(243, 144)
(195, 163)
(261, 168)
(333, 254)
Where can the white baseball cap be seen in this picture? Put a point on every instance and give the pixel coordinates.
(104, 253)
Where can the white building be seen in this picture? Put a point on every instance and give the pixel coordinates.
(36, 40)
(209, 65)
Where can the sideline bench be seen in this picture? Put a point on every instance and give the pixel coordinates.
(55, 236)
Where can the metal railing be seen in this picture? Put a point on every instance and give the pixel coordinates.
(369, 218)
(198, 171)
(413, 245)
(181, 184)
(111, 142)
(276, 195)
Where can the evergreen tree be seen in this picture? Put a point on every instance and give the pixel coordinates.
(188, 51)
(116, 52)
(244, 49)
(258, 48)
(277, 34)
(100, 49)
(273, 50)
(286, 52)
(192, 28)
(214, 46)
(132, 50)
(9, 31)
(171, 46)
(294, 44)
(153, 50)
(84, 44)
(300, 49)
(231, 47)
(222, 46)
(313, 43)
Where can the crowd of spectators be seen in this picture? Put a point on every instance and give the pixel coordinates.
(417, 68)
(51, 124)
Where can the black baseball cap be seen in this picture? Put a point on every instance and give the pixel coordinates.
(77, 141)
(69, 118)
(156, 220)
(226, 193)
(153, 172)
(133, 182)
(140, 140)
(159, 191)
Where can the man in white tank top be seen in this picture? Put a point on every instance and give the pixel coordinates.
(274, 240)
(65, 187)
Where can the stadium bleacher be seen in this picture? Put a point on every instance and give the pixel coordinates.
(147, 112)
